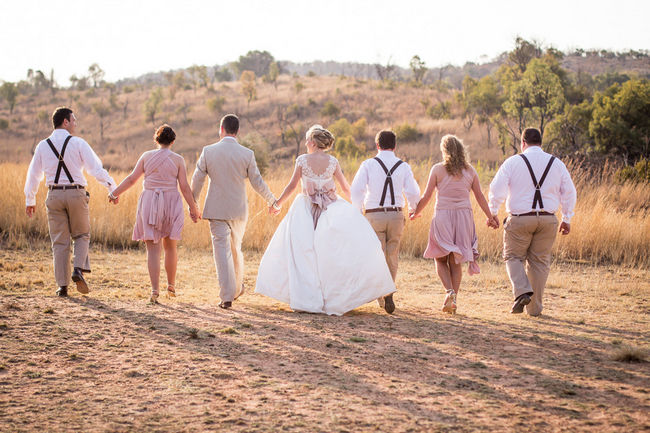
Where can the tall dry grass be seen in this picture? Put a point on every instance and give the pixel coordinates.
(611, 224)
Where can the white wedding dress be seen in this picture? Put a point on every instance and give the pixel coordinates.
(324, 257)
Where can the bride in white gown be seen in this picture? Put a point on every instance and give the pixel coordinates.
(324, 256)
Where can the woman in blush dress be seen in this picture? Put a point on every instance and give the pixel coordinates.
(160, 207)
(452, 236)
(324, 256)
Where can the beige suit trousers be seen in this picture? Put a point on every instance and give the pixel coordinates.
(527, 245)
(68, 219)
(227, 237)
(389, 227)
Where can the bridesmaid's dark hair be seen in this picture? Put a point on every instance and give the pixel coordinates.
(164, 135)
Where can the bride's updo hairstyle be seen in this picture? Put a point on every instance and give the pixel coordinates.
(454, 154)
(164, 135)
(321, 137)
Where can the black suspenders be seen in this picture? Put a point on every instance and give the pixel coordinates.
(538, 185)
(61, 163)
(389, 181)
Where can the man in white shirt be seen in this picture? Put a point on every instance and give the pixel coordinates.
(379, 187)
(533, 184)
(61, 158)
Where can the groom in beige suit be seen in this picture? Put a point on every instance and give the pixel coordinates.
(228, 164)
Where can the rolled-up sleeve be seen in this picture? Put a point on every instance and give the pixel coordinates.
(499, 188)
(411, 189)
(94, 167)
(568, 196)
(359, 187)
(35, 175)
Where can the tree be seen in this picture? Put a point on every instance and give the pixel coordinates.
(96, 74)
(568, 134)
(621, 121)
(103, 111)
(524, 52)
(257, 61)
(152, 105)
(385, 72)
(9, 92)
(272, 76)
(534, 99)
(418, 68)
(222, 74)
(248, 85)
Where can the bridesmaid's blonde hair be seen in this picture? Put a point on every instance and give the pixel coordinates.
(321, 137)
(454, 154)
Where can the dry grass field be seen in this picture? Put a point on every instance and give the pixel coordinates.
(108, 362)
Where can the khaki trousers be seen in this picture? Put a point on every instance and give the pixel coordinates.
(227, 237)
(68, 219)
(527, 245)
(389, 227)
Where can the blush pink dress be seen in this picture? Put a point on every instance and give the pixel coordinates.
(160, 207)
(452, 228)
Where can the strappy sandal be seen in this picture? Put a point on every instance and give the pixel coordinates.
(449, 305)
(171, 291)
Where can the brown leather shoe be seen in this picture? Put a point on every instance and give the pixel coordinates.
(225, 305)
(520, 303)
(389, 304)
(78, 278)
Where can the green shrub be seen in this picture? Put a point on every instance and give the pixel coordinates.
(406, 132)
(330, 109)
(440, 111)
(4, 124)
(216, 104)
(640, 172)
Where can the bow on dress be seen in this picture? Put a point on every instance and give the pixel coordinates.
(321, 197)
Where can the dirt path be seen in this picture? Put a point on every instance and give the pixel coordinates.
(109, 362)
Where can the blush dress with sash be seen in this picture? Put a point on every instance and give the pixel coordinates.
(160, 206)
(452, 228)
(324, 256)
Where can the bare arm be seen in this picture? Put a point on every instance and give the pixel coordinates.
(131, 179)
(343, 182)
(480, 198)
(428, 193)
(186, 190)
(291, 186)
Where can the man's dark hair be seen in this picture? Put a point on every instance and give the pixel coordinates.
(230, 124)
(532, 136)
(59, 115)
(164, 135)
(386, 139)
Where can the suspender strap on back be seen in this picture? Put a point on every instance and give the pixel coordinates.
(389, 181)
(538, 185)
(61, 163)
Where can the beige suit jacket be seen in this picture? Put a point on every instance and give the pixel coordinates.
(228, 164)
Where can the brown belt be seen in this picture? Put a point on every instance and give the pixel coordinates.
(533, 213)
(384, 209)
(64, 187)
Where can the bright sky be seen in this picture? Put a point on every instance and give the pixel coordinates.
(131, 37)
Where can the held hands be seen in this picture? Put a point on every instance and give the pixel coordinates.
(565, 228)
(195, 214)
(274, 208)
(493, 222)
(113, 198)
(413, 215)
(29, 210)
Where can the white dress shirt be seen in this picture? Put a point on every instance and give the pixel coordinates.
(514, 184)
(368, 184)
(78, 156)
